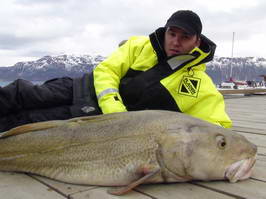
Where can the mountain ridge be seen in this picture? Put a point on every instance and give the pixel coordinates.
(48, 67)
(221, 69)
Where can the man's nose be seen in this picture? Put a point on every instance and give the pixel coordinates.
(176, 41)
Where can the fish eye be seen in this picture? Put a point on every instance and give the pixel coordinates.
(221, 143)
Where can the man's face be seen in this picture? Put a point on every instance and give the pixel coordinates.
(177, 41)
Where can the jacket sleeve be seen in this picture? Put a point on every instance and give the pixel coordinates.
(210, 105)
(107, 77)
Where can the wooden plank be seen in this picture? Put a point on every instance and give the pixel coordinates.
(262, 158)
(242, 91)
(259, 171)
(245, 113)
(251, 114)
(243, 105)
(246, 124)
(180, 191)
(255, 117)
(21, 186)
(244, 102)
(246, 105)
(249, 130)
(252, 117)
(262, 150)
(246, 99)
(248, 112)
(244, 189)
(101, 192)
(64, 188)
(254, 103)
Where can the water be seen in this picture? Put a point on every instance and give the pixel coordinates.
(4, 83)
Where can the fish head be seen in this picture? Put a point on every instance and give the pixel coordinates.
(219, 153)
(209, 152)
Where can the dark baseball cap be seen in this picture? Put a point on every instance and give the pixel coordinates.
(186, 20)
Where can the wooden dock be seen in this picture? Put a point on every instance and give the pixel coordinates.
(249, 117)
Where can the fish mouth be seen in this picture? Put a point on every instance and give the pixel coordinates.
(240, 170)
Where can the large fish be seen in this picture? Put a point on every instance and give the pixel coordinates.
(128, 149)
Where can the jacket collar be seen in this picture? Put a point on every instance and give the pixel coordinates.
(157, 42)
(205, 52)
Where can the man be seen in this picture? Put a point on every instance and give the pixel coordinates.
(163, 71)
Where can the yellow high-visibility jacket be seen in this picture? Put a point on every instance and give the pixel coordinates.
(188, 89)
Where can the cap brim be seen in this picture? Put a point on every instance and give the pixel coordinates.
(183, 26)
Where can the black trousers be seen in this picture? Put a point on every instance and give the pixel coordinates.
(23, 95)
(22, 102)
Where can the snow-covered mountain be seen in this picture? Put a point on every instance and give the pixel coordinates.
(244, 68)
(48, 67)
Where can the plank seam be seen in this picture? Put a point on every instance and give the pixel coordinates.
(248, 132)
(218, 191)
(49, 186)
(258, 179)
(152, 197)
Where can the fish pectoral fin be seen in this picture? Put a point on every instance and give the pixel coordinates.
(128, 188)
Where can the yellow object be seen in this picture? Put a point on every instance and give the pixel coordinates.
(190, 87)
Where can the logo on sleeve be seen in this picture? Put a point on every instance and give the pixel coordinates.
(189, 86)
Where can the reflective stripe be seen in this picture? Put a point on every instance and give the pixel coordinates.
(106, 91)
(178, 60)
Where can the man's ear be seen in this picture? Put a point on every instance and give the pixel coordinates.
(198, 41)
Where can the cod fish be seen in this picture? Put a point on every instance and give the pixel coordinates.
(128, 149)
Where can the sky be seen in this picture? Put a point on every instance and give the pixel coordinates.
(31, 29)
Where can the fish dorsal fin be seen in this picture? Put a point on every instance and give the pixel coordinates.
(32, 127)
(51, 124)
